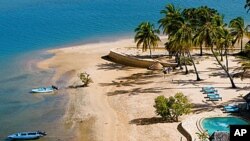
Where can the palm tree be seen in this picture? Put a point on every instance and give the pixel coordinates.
(206, 21)
(210, 32)
(225, 41)
(203, 17)
(224, 38)
(177, 25)
(238, 29)
(247, 5)
(183, 39)
(146, 36)
(170, 22)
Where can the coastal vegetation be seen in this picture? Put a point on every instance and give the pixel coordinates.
(86, 79)
(173, 107)
(201, 27)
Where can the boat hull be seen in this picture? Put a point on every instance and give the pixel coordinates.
(26, 135)
(42, 90)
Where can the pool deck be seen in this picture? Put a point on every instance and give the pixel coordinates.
(192, 124)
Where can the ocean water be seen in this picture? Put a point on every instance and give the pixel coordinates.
(28, 27)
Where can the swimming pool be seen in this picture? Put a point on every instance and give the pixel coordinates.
(221, 123)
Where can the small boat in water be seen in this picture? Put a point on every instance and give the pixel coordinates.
(44, 89)
(27, 135)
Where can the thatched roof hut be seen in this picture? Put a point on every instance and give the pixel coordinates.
(219, 136)
(156, 66)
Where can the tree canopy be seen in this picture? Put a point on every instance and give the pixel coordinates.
(173, 107)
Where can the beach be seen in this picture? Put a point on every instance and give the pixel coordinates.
(118, 105)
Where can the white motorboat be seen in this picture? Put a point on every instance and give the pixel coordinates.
(27, 135)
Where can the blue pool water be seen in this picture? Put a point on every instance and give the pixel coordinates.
(221, 123)
(29, 26)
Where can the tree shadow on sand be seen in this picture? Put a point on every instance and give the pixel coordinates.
(137, 91)
(134, 79)
(204, 107)
(112, 66)
(149, 121)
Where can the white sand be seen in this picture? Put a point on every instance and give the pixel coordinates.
(119, 104)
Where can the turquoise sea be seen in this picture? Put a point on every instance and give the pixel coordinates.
(28, 27)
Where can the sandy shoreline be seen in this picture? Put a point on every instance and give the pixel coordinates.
(119, 104)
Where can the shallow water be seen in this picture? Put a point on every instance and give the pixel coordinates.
(28, 26)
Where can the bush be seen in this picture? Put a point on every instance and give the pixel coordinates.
(173, 107)
(85, 78)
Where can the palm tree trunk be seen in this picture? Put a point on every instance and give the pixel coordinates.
(226, 58)
(221, 54)
(150, 52)
(178, 60)
(197, 75)
(241, 45)
(185, 64)
(201, 50)
(224, 68)
(186, 68)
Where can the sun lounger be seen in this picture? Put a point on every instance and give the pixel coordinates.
(212, 95)
(207, 88)
(215, 97)
(232, 109)
(210, 91)
(230, 106)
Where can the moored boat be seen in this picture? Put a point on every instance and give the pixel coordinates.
(27, 135)
(44, 89)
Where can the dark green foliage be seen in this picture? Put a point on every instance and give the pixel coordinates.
(238, 30)
(173, 107)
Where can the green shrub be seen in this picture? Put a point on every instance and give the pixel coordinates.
(85, 78)
(173, 107)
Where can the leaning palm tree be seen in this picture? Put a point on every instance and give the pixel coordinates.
(210, 32)
(225, 40)
(247, 5)
(146, 35)
(238, 29)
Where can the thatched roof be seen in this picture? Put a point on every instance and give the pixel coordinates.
(156, 66)
(219, 136)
